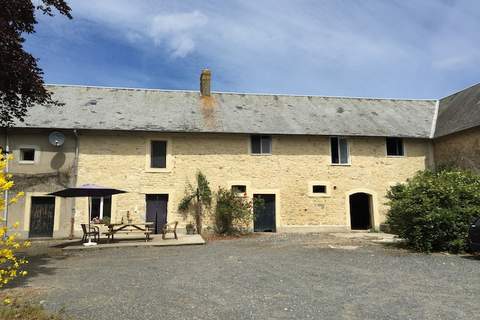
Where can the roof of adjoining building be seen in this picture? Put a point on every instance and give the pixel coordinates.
(458, 112)
(97, 108)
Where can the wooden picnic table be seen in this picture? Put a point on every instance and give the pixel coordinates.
(143, 227)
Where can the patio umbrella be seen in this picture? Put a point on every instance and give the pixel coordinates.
(87, 190)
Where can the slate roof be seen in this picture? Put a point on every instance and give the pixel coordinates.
(97, 108)
(458, 112)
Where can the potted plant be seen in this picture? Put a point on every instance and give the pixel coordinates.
(190, 228)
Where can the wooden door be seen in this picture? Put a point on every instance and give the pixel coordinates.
(157, 205)
(264, 213)
(42, 215)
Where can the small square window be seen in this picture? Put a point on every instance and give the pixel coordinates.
(239, 189)
(261, 144)
(319, 189)
(395, 147)
(27, 154)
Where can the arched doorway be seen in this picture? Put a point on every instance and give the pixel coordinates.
(360, 211)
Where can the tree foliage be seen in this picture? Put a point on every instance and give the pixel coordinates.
(233, 213)
(434, 209)
(197, 198)
(21, 79)
(10, 262)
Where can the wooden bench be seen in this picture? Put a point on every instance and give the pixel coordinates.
(170, 228)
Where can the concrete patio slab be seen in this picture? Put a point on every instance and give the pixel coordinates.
(377, 237)
(129, 241)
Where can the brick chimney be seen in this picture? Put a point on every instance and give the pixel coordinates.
(205, 79)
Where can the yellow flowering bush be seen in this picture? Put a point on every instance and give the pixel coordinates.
(10, 262)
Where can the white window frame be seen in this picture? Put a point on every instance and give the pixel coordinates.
(261, 153)
(36, 154)
(349, 158)
(102, 199)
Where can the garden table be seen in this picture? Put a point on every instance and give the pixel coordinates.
(128, 227)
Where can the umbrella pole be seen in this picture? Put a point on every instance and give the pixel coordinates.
(89, 243)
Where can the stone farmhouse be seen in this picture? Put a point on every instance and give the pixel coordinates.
(319, 163)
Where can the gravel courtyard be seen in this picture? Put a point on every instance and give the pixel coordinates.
(264, 277)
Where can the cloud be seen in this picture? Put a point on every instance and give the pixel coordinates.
(362, 48)
(177, 30)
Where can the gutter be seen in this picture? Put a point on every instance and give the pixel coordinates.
(75, 160)
(74, 183)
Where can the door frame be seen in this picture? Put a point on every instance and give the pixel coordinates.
(170, 203)
(28, 209)
(374, 215)
(276, 192)
(166, 213)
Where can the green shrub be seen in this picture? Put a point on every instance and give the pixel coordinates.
(232, 213)
(434, 209)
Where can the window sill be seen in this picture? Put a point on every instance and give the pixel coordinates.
(395, 157)
(26, 162)
(260, 154)
(319, 195)
(340, 164)
(158, 170)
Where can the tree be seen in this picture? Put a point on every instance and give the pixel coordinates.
(10, 262)
(21, 79)
(198, 199)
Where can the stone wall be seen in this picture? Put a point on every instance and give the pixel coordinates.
(52, 170)
(120, 161)
(460, 149)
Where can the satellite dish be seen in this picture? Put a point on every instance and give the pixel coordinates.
(56, 138)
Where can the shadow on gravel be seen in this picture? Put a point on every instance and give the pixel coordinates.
(398, 245)
(37, 265)
(40, 258)
(475, 257)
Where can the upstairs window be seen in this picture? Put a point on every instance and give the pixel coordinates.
(27, 154)
(158, 154)
(339, 150)
(261, 144)
(395, 147)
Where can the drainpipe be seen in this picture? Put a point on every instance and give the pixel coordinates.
(5, 194)
(74, 183)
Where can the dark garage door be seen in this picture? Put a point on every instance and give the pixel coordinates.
(41, 217)
(265, 213)
(157, 205)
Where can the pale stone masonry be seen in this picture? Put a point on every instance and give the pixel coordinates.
(225, 160)
(459, 149)
(322, 161)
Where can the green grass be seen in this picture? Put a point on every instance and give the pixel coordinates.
(28, 311)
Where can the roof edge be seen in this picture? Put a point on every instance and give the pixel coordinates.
(459, 91)
(238, 93)
(216, 132)
(434, 120)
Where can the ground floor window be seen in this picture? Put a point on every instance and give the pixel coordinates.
(101, 207)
